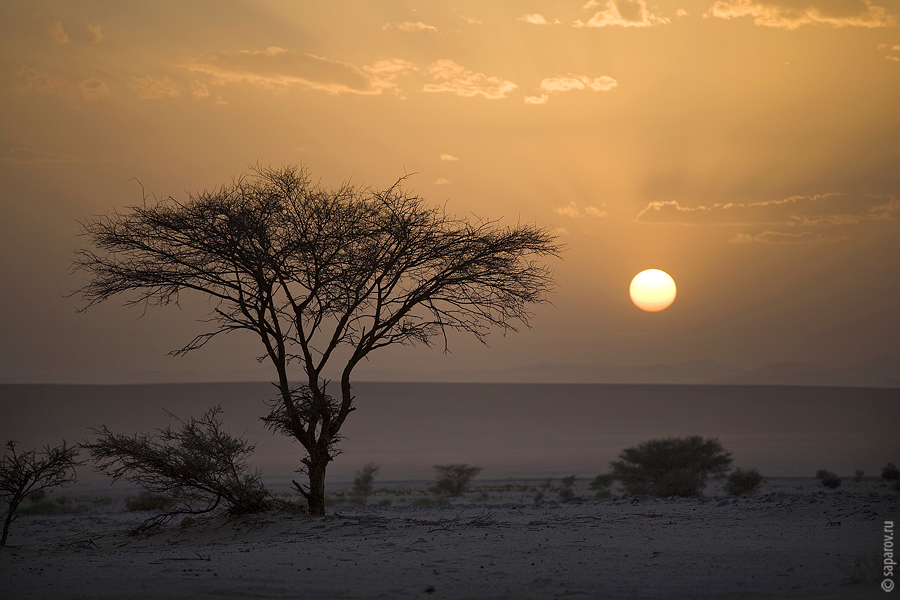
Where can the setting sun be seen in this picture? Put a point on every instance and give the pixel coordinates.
(652, 290)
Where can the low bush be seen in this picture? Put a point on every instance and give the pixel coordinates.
(145, 501)
(743, 483)
(890, 472)
(829, 479)
(671, 466)
(199, 468)
(453, 480)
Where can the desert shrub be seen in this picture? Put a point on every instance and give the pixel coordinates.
(565, 491)
(365, 481)
(23, 474)
(601, 485)
(670, 466)
(453, 480)
(199, 467)
(859, 475)
(743, 483)
(384, 502)
(828, 479)
(890, 472)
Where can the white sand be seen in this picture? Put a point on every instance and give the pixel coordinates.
(791, 541)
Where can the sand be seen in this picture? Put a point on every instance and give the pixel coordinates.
(792, 540)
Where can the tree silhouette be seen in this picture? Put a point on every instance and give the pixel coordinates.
(670, 466)
(312, 271)
(26, 473)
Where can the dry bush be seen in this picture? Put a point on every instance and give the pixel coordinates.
(198, 468)
(670, 466)
(453, 480)
(743, 483)
(23, 474)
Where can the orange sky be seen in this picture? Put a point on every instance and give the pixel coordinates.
(751, 149)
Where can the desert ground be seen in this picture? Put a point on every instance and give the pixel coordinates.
(502, 539)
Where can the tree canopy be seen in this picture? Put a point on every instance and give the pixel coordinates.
(310, 270)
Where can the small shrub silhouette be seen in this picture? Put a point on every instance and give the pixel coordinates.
(565, 492)
(890, 472)
(198, 468)
(365, 481)
(829, 479)
(453, 480)
(670, 466)
(859, 475)
(601, 484)
(743, 483)
(24, 474)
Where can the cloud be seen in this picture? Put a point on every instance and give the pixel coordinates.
(278, 70)
(568, 83)
(199, 90)
(150, 88)
(441, 181)
(537, 19)
(57, 33)
(449, 157)
(805, 211)
(792, 14)
(30, 156)
(454, 78)
(95, 33)
(33, 81)
(622, 13)
(537, 100)
(410, 26)
(572, 210)
(776, 237)
(470, 20)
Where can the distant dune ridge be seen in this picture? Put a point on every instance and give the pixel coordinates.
(511, 430)
(882, 372)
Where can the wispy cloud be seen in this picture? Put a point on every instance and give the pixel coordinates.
(456, 79)
(822, 209)
(793, 14)
(571, 210)
(777, 237)
(797, 218)
(95, 33)
(569, 83)
(58, 33)
(537, 19)
(449, 158)
(470, 20)
(30, 156)
(409, 26)
(892, 49)
(441, 181)
(278, 70)
(621, 13)
(32, 81)
(151, 88)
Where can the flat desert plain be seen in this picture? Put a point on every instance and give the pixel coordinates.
(514, 539)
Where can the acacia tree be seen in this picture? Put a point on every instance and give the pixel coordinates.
(312, 272)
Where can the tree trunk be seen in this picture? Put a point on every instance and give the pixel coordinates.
(316, 495)
(9, 518)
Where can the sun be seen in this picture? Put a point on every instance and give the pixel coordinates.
(652, 290)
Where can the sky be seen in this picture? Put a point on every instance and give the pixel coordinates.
(751, 149)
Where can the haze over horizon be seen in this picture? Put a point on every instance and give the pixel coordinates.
(749, 148)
